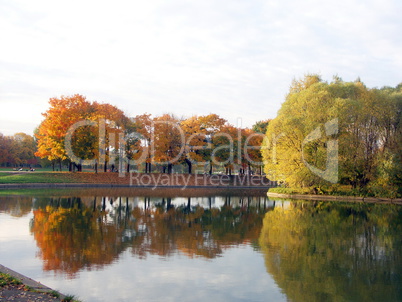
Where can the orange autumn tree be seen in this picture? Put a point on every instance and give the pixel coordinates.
(113, 124)
(91, 130)
(62, 114)
(198, 131)
(70, 239)
(168, 141)
(195, 141)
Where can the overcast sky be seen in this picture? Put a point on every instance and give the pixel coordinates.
(234, 58)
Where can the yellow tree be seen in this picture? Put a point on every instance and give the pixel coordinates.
(327, 133)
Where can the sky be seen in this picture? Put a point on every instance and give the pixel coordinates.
(234, 58)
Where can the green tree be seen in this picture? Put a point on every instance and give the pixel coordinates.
(362, 124)
(261, 126)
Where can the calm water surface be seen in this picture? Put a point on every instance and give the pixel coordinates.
(147, 246)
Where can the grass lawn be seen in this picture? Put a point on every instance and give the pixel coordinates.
(36, 177)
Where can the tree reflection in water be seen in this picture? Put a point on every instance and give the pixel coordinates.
(87, 233)
(334, 252)
(315, 251)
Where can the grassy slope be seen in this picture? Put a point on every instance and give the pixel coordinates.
(35, 177)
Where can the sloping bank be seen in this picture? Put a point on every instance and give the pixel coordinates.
(153, 180)
(31, 290)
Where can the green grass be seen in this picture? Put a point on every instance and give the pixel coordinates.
(6, 279)
(340, 190)
(70, 298)
(281, 190)
(10, 169)
(34, 177)
(36, 192)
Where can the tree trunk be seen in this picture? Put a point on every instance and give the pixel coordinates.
(190, 166)
(96, 167)
(147, 167)
(210, 168)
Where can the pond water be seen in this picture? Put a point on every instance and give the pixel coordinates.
(149, 245)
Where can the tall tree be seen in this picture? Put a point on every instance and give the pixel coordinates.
(168, 141)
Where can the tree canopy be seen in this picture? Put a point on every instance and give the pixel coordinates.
(337, 132)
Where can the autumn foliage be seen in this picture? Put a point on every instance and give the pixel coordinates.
(79, 132)
(75, 127)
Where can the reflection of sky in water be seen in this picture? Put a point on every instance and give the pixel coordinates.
(239, 274)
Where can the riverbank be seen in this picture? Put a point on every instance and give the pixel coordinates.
(109, 179)
(337, 198)
(21, 288)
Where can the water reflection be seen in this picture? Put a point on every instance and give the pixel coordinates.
(334, 252)
(78, 233)
(314, 251)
